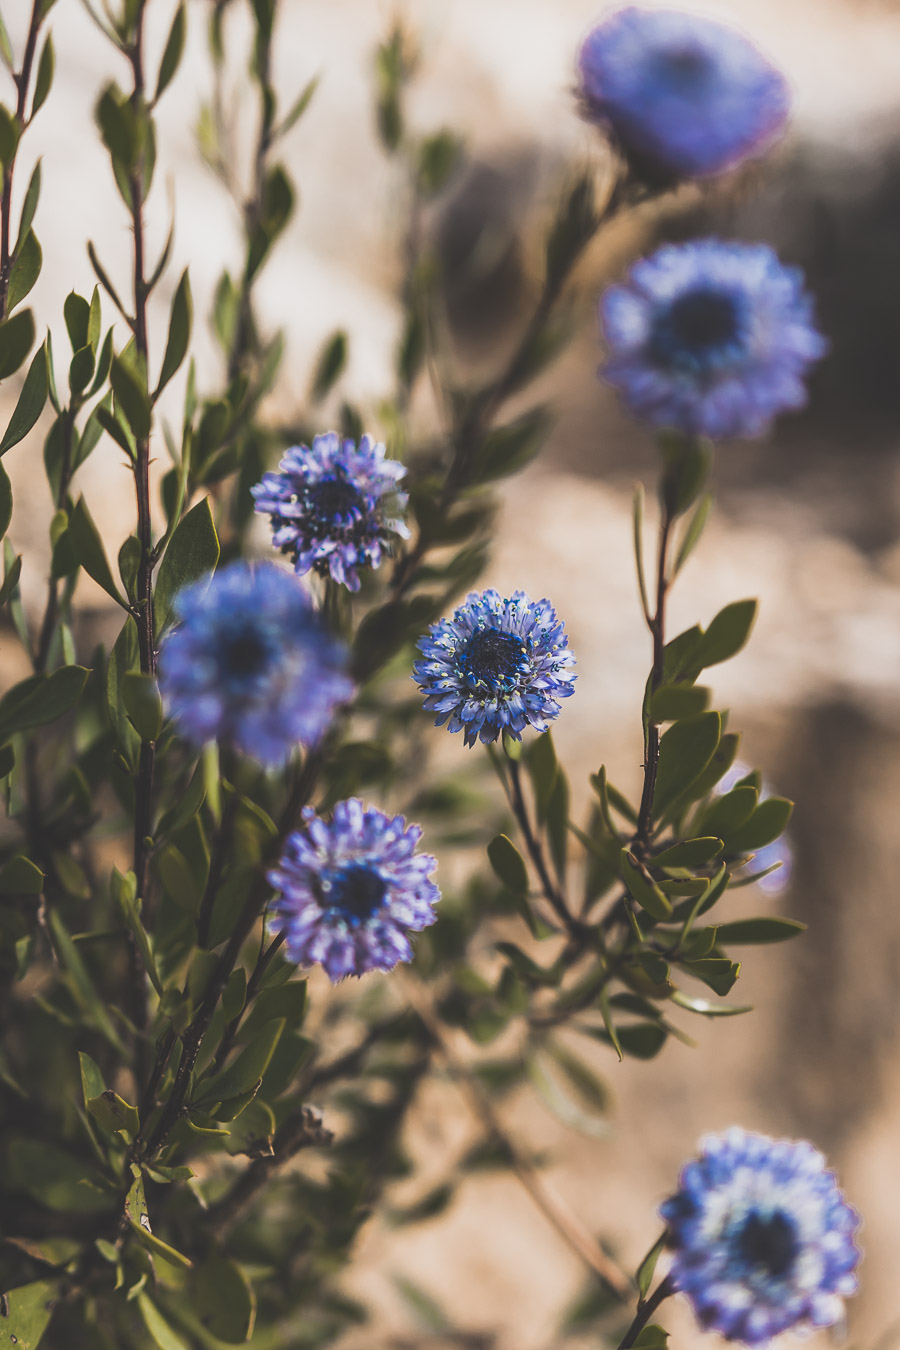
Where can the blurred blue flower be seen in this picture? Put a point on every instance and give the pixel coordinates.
(685, 97)
(763, 1239)
(710, 338)
(497, 665)
(352, 890)
(251, 664)
(778, 852)
(333, 507)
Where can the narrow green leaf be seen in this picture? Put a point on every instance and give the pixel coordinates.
(671, 702)
(330, 365)
(114, 1113)
(689, 853)
(694, 530)
(30, 403)
(44, 77)
(642, 887)
(6, 501)
(25, 271)
(77, 314)
(180, 321)
(131, 397)
(192, 553)
(92, 1081)
(160, 1330)
(16, 338)
(27, 1314)
(89, 551)
(644, 1275)
(299, 107)
(29, 205)
(718, 973)
(684, 752)
(508, 864)
(223, 1299)
(172, 52)
(249, 1066)
(20, 876)
(637, 519)
(727, 813)
(140, 694)
(751, 932)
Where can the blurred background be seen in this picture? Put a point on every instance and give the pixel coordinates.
(809, 522)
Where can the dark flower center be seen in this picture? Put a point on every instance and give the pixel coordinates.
(492, 658)
(355, 890)
(697, 330)
(330, 498)
(769, 1243)
(685, 70)
(243, 654)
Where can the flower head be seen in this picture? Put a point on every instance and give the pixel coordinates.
(334, 506)
(685, 97)
(497, 665)
(250, 663)
(763, 1239)
(352, 890)
(710, 338)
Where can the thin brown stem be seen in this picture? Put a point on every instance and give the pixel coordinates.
(22, 81)
(554, 1209)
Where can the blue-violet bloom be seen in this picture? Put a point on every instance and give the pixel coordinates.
(710, 338)
(762, 1237)
(352, 889)
(684, 96)
(334, 506)
(251, 663)
(497, 665)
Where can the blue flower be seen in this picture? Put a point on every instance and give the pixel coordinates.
(352, 890)
(334, 507)
(763, 1239)
(251, 663)
(710, 338)
(497, 665)
(685, 97)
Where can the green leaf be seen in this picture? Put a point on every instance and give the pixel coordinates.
(118, 126)
(6, 501)
(299, 107)
(16, 338)
(180, 321)
(705, 1008)
(768, 821)
(81, 368)
(124, 890)
(330, 365)
(114, 1113)
(507, 449)
(140, 694)
(92, 1081)
(689, 853)
(30, 403)
(55, 1178)
(9, 135)
(223, 1299)
(642, 887)
(750, 932)
(249, 1066)
(172, 52)
(718, 766)
(438, 156)
(693, 532)
(672, 702)
(686, 464)
(29, 204)
(160, 1330)
(6, 52)
(77, 314)
(718, 973)
(507, 862)
(728, 632)
(44, 77)
(680, 656)
(20, 876)
(25, 271)
(41, 699)
(540, 760)
(651, 1337)
(684, 752)
(728, 812)
(89, 552)
(27, 1314)
(131, 396)
(644, 1275)
(192, 553)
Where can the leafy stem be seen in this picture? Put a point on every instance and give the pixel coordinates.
(657, 625)
(645, 1310)
(22, 81)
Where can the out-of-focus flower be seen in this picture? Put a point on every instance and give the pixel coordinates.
(684, 96)
(778, 852)
(352, 889)
(334, 506)
(497, 665)
(710, 338)
(763, 1239)
(251, 664)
